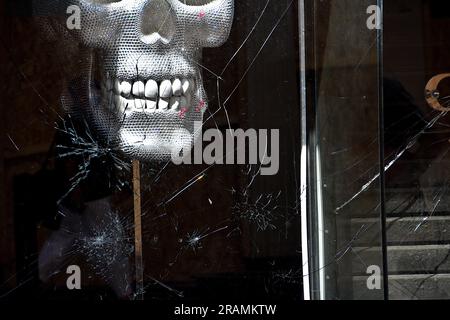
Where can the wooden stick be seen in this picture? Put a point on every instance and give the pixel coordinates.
(138, 230)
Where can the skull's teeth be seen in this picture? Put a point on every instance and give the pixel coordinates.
(177, 88)
(138, 88)
(152, 89)
(165, 89)
(126, 106)
(150, 96)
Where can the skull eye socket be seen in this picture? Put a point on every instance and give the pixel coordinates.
(195, 2)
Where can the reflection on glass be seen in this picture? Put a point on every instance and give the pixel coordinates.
(345, 192)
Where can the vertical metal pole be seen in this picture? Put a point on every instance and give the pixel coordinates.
(138, 230)
(304, 156)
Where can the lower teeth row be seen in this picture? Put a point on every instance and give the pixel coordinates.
(123, 105)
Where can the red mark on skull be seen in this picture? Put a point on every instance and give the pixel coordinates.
(200, 106)
(182, 113)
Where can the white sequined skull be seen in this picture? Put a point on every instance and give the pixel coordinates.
(148, 52)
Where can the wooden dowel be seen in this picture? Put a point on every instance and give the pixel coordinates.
(138, 230)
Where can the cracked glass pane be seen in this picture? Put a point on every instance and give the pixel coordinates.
(379, 149)
(95, 120)
(416, 125)
(345, 158)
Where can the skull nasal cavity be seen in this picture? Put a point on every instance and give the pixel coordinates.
(157, 22)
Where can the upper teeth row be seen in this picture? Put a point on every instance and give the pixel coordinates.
(151, 90)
